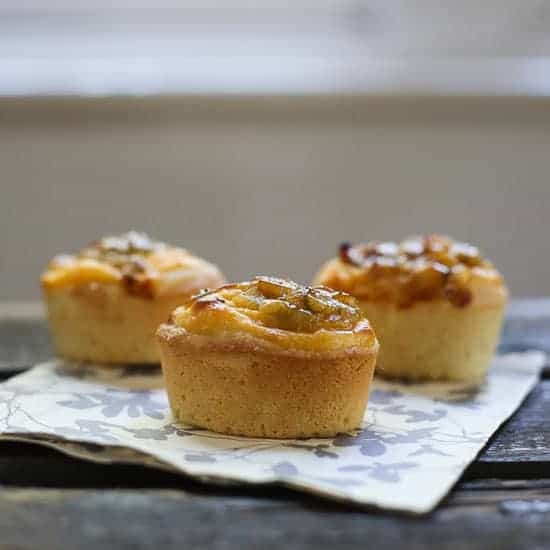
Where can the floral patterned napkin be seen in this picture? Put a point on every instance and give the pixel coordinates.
(415, 442)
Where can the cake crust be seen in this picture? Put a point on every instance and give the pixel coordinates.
(137, 264)
(105, 302)
(282, 316)
(231, 368)
(242, 387)
(436, 304)
(435, 341)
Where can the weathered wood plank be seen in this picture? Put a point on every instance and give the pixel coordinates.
(532, 308)
(26, 342)
(49, 519)
(527, 325)
(525, 437)
(27, 465)
(23, 343)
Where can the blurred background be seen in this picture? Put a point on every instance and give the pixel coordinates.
(261, 136)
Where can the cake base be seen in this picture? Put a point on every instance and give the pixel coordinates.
(242, 389)
(433, 341)
(104, 324)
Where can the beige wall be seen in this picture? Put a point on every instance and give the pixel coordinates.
(272, 186)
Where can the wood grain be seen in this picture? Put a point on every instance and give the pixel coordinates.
(23, 343)
(49, 519)
(526, 436)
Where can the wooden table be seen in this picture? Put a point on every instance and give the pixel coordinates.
(52, 501)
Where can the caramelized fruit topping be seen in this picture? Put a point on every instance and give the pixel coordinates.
(419, 268)
(282, 304)
(127, 253)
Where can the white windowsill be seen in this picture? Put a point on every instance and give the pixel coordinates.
(213, 76)
(330, 47)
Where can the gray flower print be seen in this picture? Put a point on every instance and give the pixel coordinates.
(388, 473)
(415, 415)
(383, 397)
(115, 402)
(92, 429)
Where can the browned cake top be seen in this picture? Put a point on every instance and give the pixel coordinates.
(119, 249)
(419, 268)
(144, 267)
(282, 304)
(272, 308)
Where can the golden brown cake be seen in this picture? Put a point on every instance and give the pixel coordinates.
(269, 358)
(436, 305)
(106, 302)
